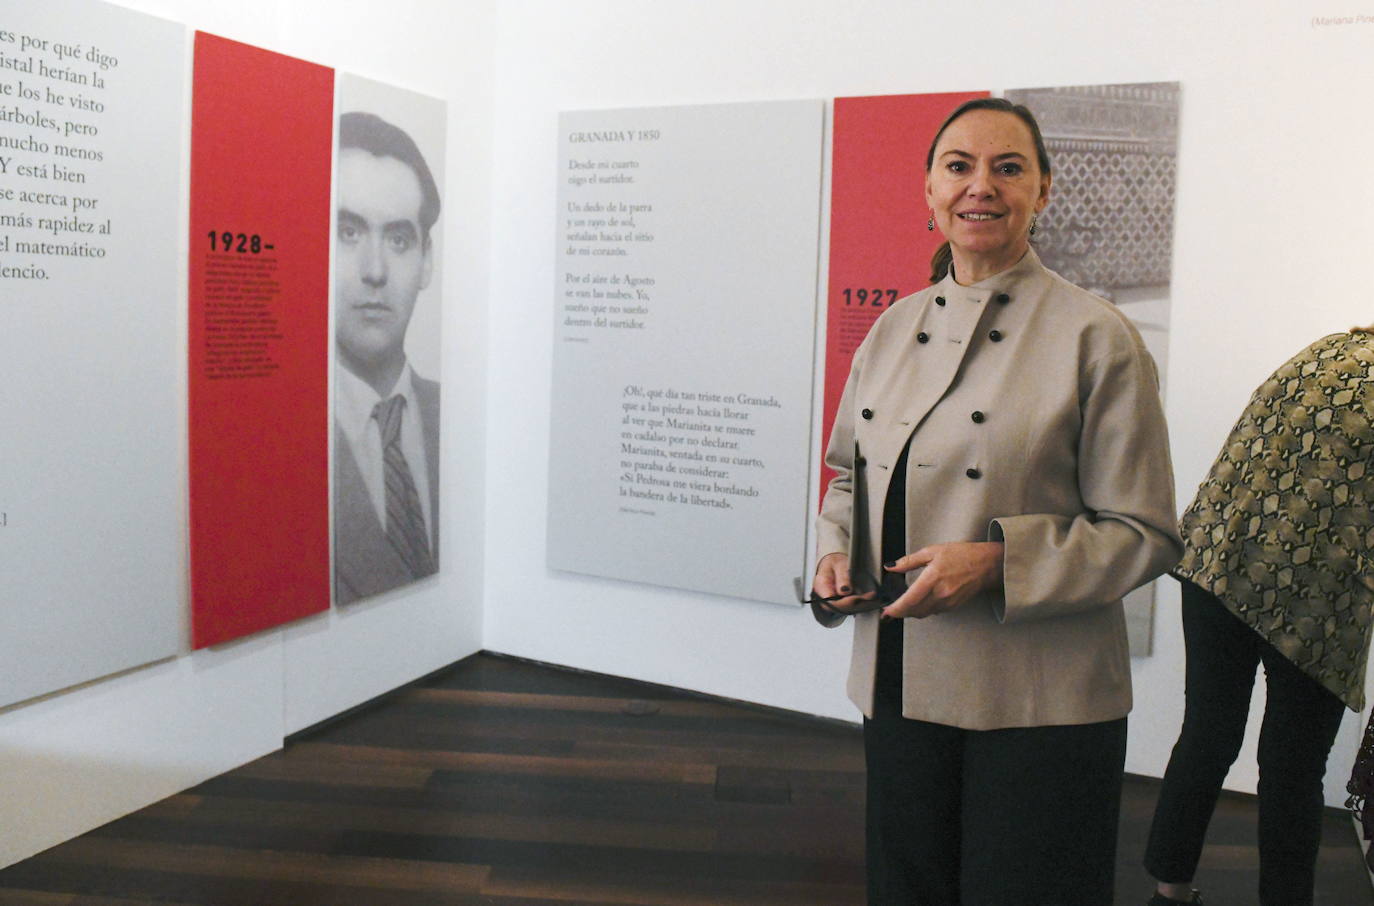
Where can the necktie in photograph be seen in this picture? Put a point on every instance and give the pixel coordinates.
(405, 520)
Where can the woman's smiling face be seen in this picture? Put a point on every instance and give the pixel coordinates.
(984, 186)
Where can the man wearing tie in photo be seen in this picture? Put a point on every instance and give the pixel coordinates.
(386, 417)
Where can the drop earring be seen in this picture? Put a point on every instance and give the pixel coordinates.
(1034, 219)
(930, 224)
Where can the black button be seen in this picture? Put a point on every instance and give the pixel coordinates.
(861, 462)
(1003, 298)
(867, 414)
(978, 417)
(939, 300)
(973, 473)
(922, 337)
(995, 336)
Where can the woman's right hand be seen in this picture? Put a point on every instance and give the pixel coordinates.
(832, 578)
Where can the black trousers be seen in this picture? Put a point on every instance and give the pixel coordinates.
(1015, 817)
(1300, 722)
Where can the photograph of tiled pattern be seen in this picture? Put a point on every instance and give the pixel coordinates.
(1115, 154)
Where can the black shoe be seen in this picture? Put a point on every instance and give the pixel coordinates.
(1160, 899)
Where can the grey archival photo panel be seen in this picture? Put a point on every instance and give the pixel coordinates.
(388, 295)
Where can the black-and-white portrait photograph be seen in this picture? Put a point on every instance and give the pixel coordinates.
(387, 301)
(1110, 228)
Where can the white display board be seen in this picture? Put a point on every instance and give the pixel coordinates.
(685, 305)
(92, 122)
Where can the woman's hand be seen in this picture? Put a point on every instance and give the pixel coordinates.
(832, 578)
(950, 575)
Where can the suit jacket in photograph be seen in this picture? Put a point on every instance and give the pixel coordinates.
(365, 563)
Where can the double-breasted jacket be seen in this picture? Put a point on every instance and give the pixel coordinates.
(1033, 415)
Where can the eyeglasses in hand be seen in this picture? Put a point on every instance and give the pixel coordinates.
(861, 583)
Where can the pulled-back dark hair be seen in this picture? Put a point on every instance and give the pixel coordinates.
(943, 257)
(369, 132)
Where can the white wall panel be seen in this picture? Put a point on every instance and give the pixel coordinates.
(1270, 242)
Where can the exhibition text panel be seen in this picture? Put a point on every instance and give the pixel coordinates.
(261, 129)
(91, 125)
(684, 332)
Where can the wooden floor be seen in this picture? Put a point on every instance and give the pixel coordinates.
(502, 782)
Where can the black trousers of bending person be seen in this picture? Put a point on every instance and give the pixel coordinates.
(1301, 718)
(1024, 816)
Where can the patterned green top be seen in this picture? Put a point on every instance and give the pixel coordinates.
(1281, 529)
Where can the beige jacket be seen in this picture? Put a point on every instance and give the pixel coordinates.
(1034, 416)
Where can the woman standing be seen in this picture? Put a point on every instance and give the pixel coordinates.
(1002, 462)
(1275, 570)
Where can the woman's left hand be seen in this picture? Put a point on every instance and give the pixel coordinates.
(951, 574)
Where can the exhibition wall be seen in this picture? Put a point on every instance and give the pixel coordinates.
(74, 759)
(1271, 105)
(1269, 237)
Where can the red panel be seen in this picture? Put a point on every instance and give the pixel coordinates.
(879, 245)
(261, 144)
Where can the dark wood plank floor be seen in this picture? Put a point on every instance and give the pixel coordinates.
(512, 784)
